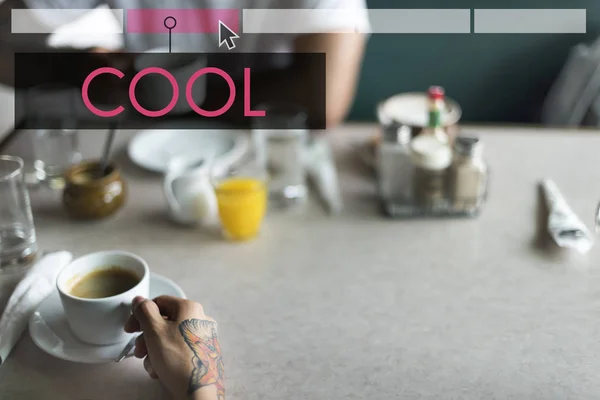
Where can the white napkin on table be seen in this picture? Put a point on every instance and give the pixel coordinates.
(321, 169)
(37, 284)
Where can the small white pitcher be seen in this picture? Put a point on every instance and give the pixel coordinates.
(189, 192)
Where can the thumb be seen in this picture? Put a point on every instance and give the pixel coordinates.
(147, 314)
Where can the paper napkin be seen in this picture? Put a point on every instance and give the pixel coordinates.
(36, 285)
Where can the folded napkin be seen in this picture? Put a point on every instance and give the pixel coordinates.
(322, 172)
(37, 284)
(564, 226)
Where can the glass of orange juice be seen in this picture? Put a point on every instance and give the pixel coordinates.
(241, 191)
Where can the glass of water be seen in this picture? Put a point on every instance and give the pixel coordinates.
(53, 109)
(17, 233)
(280, 139)
(55, 151)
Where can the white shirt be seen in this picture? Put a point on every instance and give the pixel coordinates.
(254, 43)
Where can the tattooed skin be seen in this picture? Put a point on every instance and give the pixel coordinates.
(201, 337)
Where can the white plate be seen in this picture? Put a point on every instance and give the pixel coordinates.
(50, 332)
(412, 109)
(152, 149)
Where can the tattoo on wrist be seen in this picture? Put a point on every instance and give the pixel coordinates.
(201, 337)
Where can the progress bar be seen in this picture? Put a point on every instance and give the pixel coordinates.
(188, 21)
(47, 21)
(530, 21)
(301, 21)
(361, 21)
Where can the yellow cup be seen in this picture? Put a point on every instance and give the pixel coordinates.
(242, 206)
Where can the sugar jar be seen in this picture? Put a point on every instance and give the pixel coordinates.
(92, 195)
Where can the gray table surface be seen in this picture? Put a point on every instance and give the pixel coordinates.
(359, 307)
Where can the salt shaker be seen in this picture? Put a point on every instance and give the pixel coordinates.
(395, 166)
(468, 177)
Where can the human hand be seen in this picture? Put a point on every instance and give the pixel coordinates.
(179, 345)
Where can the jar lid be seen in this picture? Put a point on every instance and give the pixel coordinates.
(469, 146)
(396, 133)
(430, 153)
(412, 109)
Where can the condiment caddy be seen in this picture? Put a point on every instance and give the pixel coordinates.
(431, 173)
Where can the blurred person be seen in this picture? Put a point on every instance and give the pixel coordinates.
(343, 48)
(180, 347)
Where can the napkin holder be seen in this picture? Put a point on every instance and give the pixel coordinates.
(398, 188)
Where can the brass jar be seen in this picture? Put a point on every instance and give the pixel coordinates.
(90, 196)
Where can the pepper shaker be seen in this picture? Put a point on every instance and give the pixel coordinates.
(469, 175)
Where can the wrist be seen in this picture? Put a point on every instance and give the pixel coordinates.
(204, 393)
(197, 395)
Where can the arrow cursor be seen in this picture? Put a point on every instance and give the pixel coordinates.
(226, 36)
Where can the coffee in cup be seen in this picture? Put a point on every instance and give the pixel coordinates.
(104, 282)
(96, 292)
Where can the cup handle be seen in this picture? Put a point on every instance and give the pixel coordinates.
(127, 305)
(168, 190)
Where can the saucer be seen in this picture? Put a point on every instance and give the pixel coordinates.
(50, 332)
(153, 149)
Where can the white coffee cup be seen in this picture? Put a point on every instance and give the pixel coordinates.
(101, 321)
(156, 91)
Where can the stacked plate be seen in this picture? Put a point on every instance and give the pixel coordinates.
(153, 149)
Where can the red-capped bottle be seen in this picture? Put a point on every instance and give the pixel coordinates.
(437, 104)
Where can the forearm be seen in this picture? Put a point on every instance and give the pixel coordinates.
(300, 85)
(322, 81)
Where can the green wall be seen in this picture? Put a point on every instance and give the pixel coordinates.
(494, 77)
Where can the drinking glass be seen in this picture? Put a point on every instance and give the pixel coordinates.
(241, 191)
(17, 233)
(55, 151)
(280, 139)
(52, 108)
